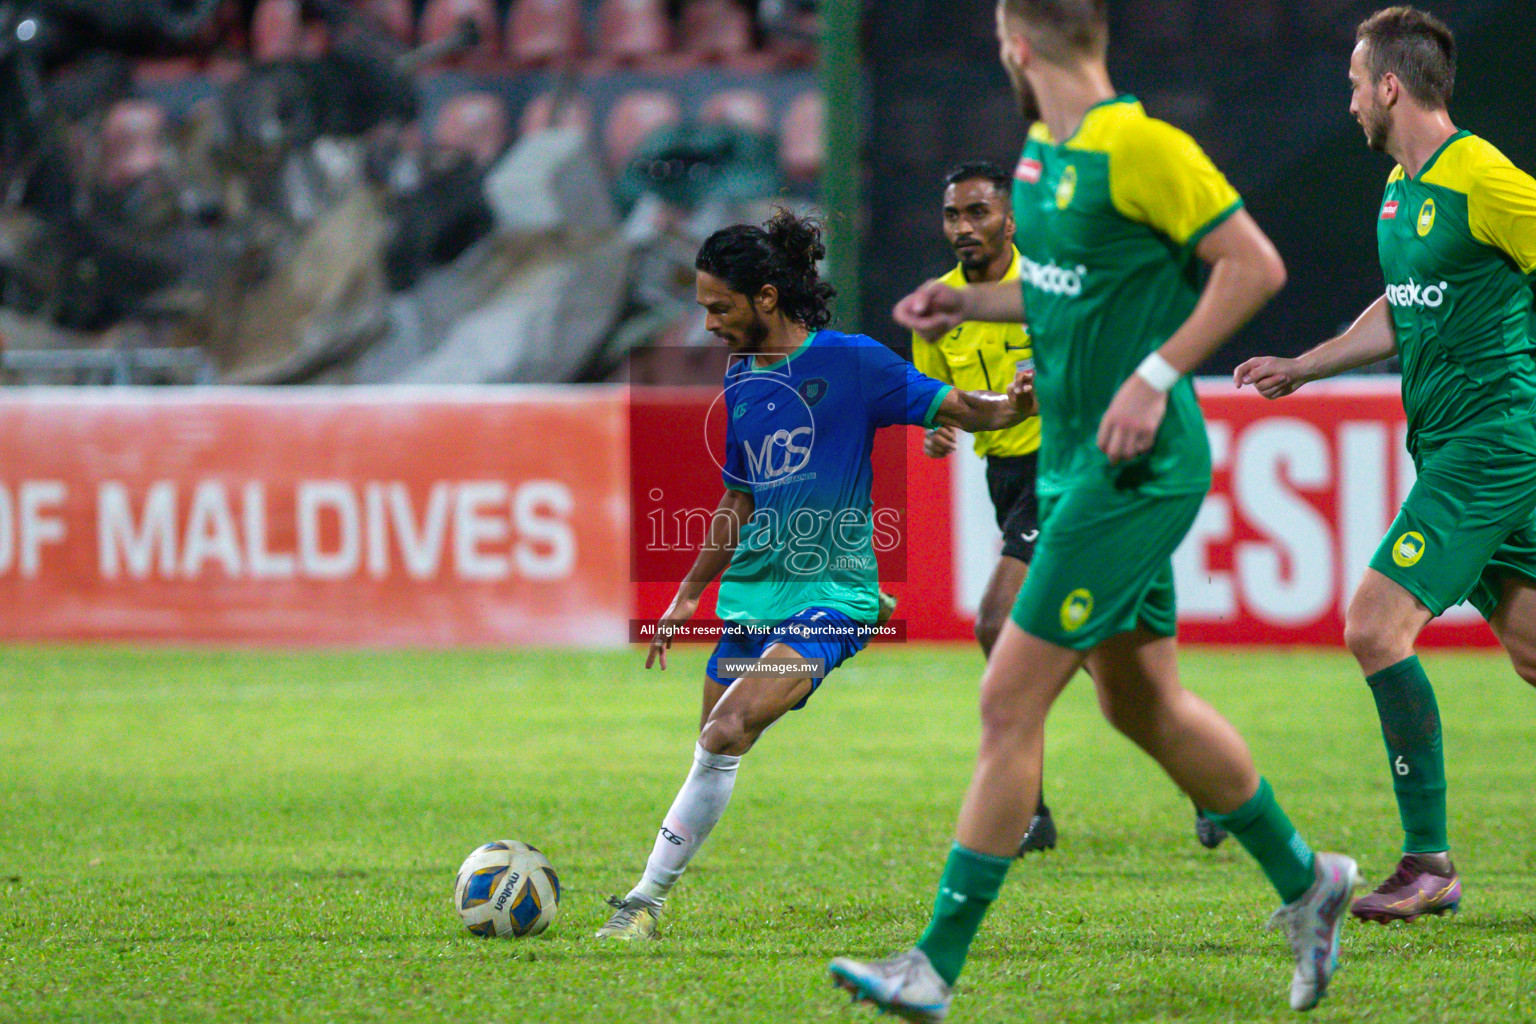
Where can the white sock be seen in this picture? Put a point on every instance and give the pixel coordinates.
(699, 804)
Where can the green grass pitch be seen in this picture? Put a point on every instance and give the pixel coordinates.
(190, 837)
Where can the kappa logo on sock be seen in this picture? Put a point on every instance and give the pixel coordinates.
(672, 837)
(958, 897)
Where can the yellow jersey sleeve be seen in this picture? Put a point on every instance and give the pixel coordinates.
(929, 360)
(1501, 208)
(1160, 177)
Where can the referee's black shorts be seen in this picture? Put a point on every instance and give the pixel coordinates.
(1011, 482)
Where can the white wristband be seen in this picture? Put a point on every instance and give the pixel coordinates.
(1158, 372)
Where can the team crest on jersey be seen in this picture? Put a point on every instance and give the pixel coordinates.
(1076, 609)
(1408, 549)
(1426, 217)
(1028, 170)
(1066, 188)
(1389, 210)
(812, 390)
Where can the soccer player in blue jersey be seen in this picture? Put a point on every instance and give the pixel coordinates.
(793, 534)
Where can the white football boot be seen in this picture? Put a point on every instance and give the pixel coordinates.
(1312, 926)
(905, 984)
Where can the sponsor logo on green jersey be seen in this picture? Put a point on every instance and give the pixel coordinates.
(1415, 294)
(1051, 279)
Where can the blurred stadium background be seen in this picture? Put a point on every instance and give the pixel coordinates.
(323, 200)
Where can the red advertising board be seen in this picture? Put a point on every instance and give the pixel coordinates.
(353, 516)
(1303, 491)
(515, 516)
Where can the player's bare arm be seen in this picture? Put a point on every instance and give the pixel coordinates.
(735, 508)
(934, 308)
(1246, 272)
(1369, 339)
(979, 411)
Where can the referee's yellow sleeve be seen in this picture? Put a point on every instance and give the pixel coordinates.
(929, 360)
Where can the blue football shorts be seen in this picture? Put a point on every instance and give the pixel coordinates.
(823, 633)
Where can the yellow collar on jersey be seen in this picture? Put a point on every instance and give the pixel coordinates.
(956, 278)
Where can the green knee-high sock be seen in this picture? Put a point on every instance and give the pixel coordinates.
(1266, 833)
(1410, 726)
(970, 883)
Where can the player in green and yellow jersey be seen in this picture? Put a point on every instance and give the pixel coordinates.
(1456, 234)
(978, 225)
(980, 228)
(1114, 211)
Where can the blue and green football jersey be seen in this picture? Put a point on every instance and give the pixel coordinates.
(799, 433)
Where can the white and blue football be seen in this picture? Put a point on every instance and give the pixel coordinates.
(506, 889)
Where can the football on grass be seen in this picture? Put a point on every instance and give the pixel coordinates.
(506, 889)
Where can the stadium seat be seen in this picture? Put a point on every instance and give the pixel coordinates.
(473, 123)
(315, 41)
(791, 37)
(716, 31)
(540, 113)
(224, 68)
(632, 118)
(133, 136)
(441, 19)
(544, 32)
(633, 31)
(277, 30)
(218, 51)
(396, 17)
(226, 29)
(159, 70)
(802, 137)
(743, 108)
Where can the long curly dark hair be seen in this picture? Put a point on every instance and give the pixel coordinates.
(784, 253)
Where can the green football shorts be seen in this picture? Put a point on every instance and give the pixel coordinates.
(1103, 565)
(1466, 525)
